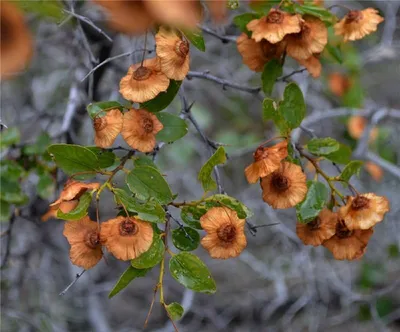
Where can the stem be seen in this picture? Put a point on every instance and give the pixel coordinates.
(144, 51)
(272, 139)
(180, 204)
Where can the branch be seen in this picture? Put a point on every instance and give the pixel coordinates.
(8, 245)
(224, 39)
(285, 78)
(78, 275)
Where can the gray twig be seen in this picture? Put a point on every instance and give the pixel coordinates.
(224, 39)
(78, 275)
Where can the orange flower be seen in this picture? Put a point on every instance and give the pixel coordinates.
(266, 161)
(364, 211)
(374, 170)
(224, 233)
(275, 26)
(358, 23)
(285, 187)
(177, 13)
(73, 190)
(130, 17)
(356, 126)
(107, 128)
(217, 9)
(64, 207)
(311, 39)
(339, 84)
(83, 236)
(173, 53)
(143, 82)
(256, 55)
(126, 238)
(313, 65)
(318, 230)
(140, 129)
(347, 244)
(16, 41)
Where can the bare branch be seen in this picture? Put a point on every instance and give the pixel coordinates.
(78, 275)
(224, 39)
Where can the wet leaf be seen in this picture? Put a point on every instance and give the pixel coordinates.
(125, 279)
(185, 239)
(151, 257)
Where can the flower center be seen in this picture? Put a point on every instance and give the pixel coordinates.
(354, 16)
(6, 32)
(226, 233)
(261, 153)
(268, 49)
(148, 125)
(342, 231)
(314, 224)
(275, 17)
(92, 239)
(182, 48)
(280, 182)
(127, 228)
(99, 124)
(141, 74)
(359, 203)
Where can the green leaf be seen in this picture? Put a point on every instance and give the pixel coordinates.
(292, 107)
(126, 277)
(74, 158)
(80, 211)
(314, 202)
(44, 8)
(335, 52)
(175, 310)
(11, 192)
(219, 157)
(271, 113)
(147, 182)
(144, 161)
(10, 170)
(185, 239)
(353, 167)
(100, 108)
(196, 38)
(151, 257)
(341, 155)
(321, 12)
(149, 211)
(322, 146)
(242, 20)
(224, 200)
(163, 99)
(105, 158)
(5, 211)
(191, 215)
(46, 186)
(174, 127)
(272, 70)
(9, 136)
(40, 147)
(192, 273)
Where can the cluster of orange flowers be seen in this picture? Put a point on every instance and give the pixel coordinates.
(143, 82)
(345, 232)
(301, 37)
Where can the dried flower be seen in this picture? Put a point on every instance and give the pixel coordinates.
(143, 82)
(256, 55)
(364, 211)
(173, 52)
(322, 228)
(339, 84)
(374, 170)
(225, 233)
(266, 161)
(313, 65)
(83, 236)
(126, 237)
(140, 129)
(64, 207)
(73, 190)
(356, 126)
(217, 9)
(348, 244)
(275, 26)
(358, 23)
(16, 41)
(285, 187)
(311, 39)
(130, 17)
(107, 128)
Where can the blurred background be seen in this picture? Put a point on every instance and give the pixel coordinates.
(277, 283)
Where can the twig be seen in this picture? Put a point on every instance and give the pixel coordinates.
(181, 227)
(8, 246)
(89, 22)
(78, 275)
(285, 78)
(224, 39)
